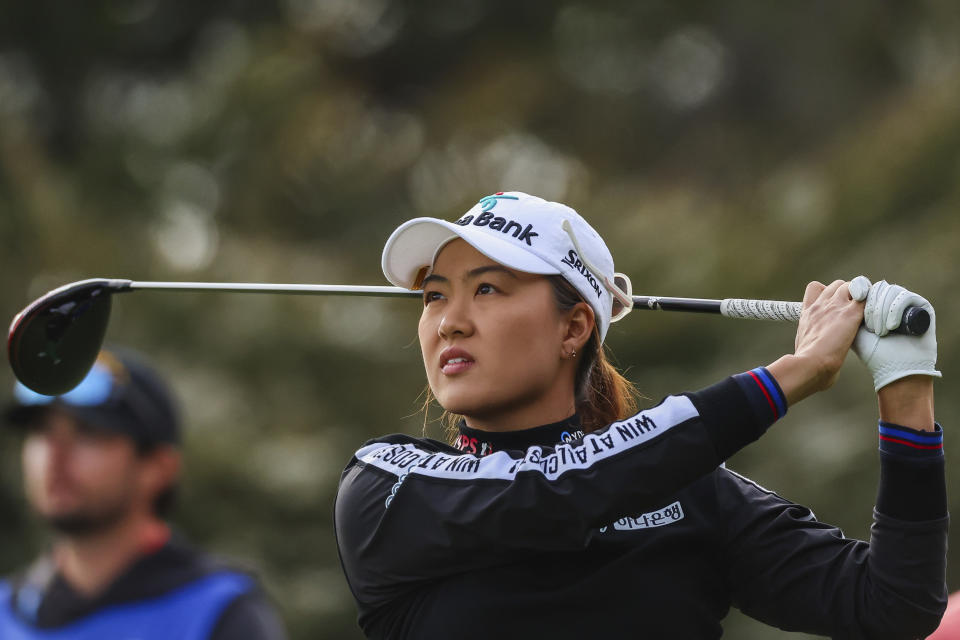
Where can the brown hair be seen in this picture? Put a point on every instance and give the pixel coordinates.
(602, 394)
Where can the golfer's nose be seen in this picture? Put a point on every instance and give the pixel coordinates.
(456, 318)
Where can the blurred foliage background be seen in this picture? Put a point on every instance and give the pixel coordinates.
(733, 149)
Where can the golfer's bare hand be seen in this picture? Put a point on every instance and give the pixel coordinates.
(828, 325)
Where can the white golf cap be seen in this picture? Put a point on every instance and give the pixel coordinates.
(522, 232)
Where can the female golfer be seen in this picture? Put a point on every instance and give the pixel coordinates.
(561, 512)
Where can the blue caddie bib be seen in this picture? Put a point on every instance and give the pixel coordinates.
(187, 613)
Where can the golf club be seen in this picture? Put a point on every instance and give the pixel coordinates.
(54, 341)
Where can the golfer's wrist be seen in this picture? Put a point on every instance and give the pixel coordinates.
(908, 402)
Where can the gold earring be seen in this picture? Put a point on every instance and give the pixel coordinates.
(573, 353)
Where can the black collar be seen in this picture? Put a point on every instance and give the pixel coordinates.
(481, 443)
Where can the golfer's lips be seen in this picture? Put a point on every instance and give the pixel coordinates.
(455, 360)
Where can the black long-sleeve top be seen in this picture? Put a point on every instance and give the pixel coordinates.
(636, 530)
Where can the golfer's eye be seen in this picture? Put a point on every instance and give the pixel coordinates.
(486, 288)
(430, 296)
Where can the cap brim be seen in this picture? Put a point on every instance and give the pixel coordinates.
(415, 244)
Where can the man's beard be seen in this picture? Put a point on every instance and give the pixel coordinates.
(82, 524)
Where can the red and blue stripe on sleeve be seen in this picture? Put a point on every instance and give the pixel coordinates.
(904, 441)
(764, 394)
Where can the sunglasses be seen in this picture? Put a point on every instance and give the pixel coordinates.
(94, 390)
(620, 287)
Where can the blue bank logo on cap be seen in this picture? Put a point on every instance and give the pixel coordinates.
(489, 202)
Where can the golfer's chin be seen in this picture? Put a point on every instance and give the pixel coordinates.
(479, 405)
(459, 403)
(461, 397)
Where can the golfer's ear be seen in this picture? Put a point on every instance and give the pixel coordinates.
(580, 322)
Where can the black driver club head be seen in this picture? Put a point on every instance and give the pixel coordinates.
(54, 341)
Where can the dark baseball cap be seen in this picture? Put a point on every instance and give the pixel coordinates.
(122, 393)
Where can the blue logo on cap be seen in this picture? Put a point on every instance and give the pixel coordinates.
(489, 202)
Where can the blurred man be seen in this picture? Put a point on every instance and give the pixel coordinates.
(100, 467)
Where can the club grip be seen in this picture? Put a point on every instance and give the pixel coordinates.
(915, 320)
(761, 309)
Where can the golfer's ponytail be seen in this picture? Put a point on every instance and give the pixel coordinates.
(603, 395)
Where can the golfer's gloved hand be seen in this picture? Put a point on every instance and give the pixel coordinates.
(891, 356)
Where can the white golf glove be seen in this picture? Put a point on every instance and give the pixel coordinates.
(891, 356)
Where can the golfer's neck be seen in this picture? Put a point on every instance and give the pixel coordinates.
(90, 563)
